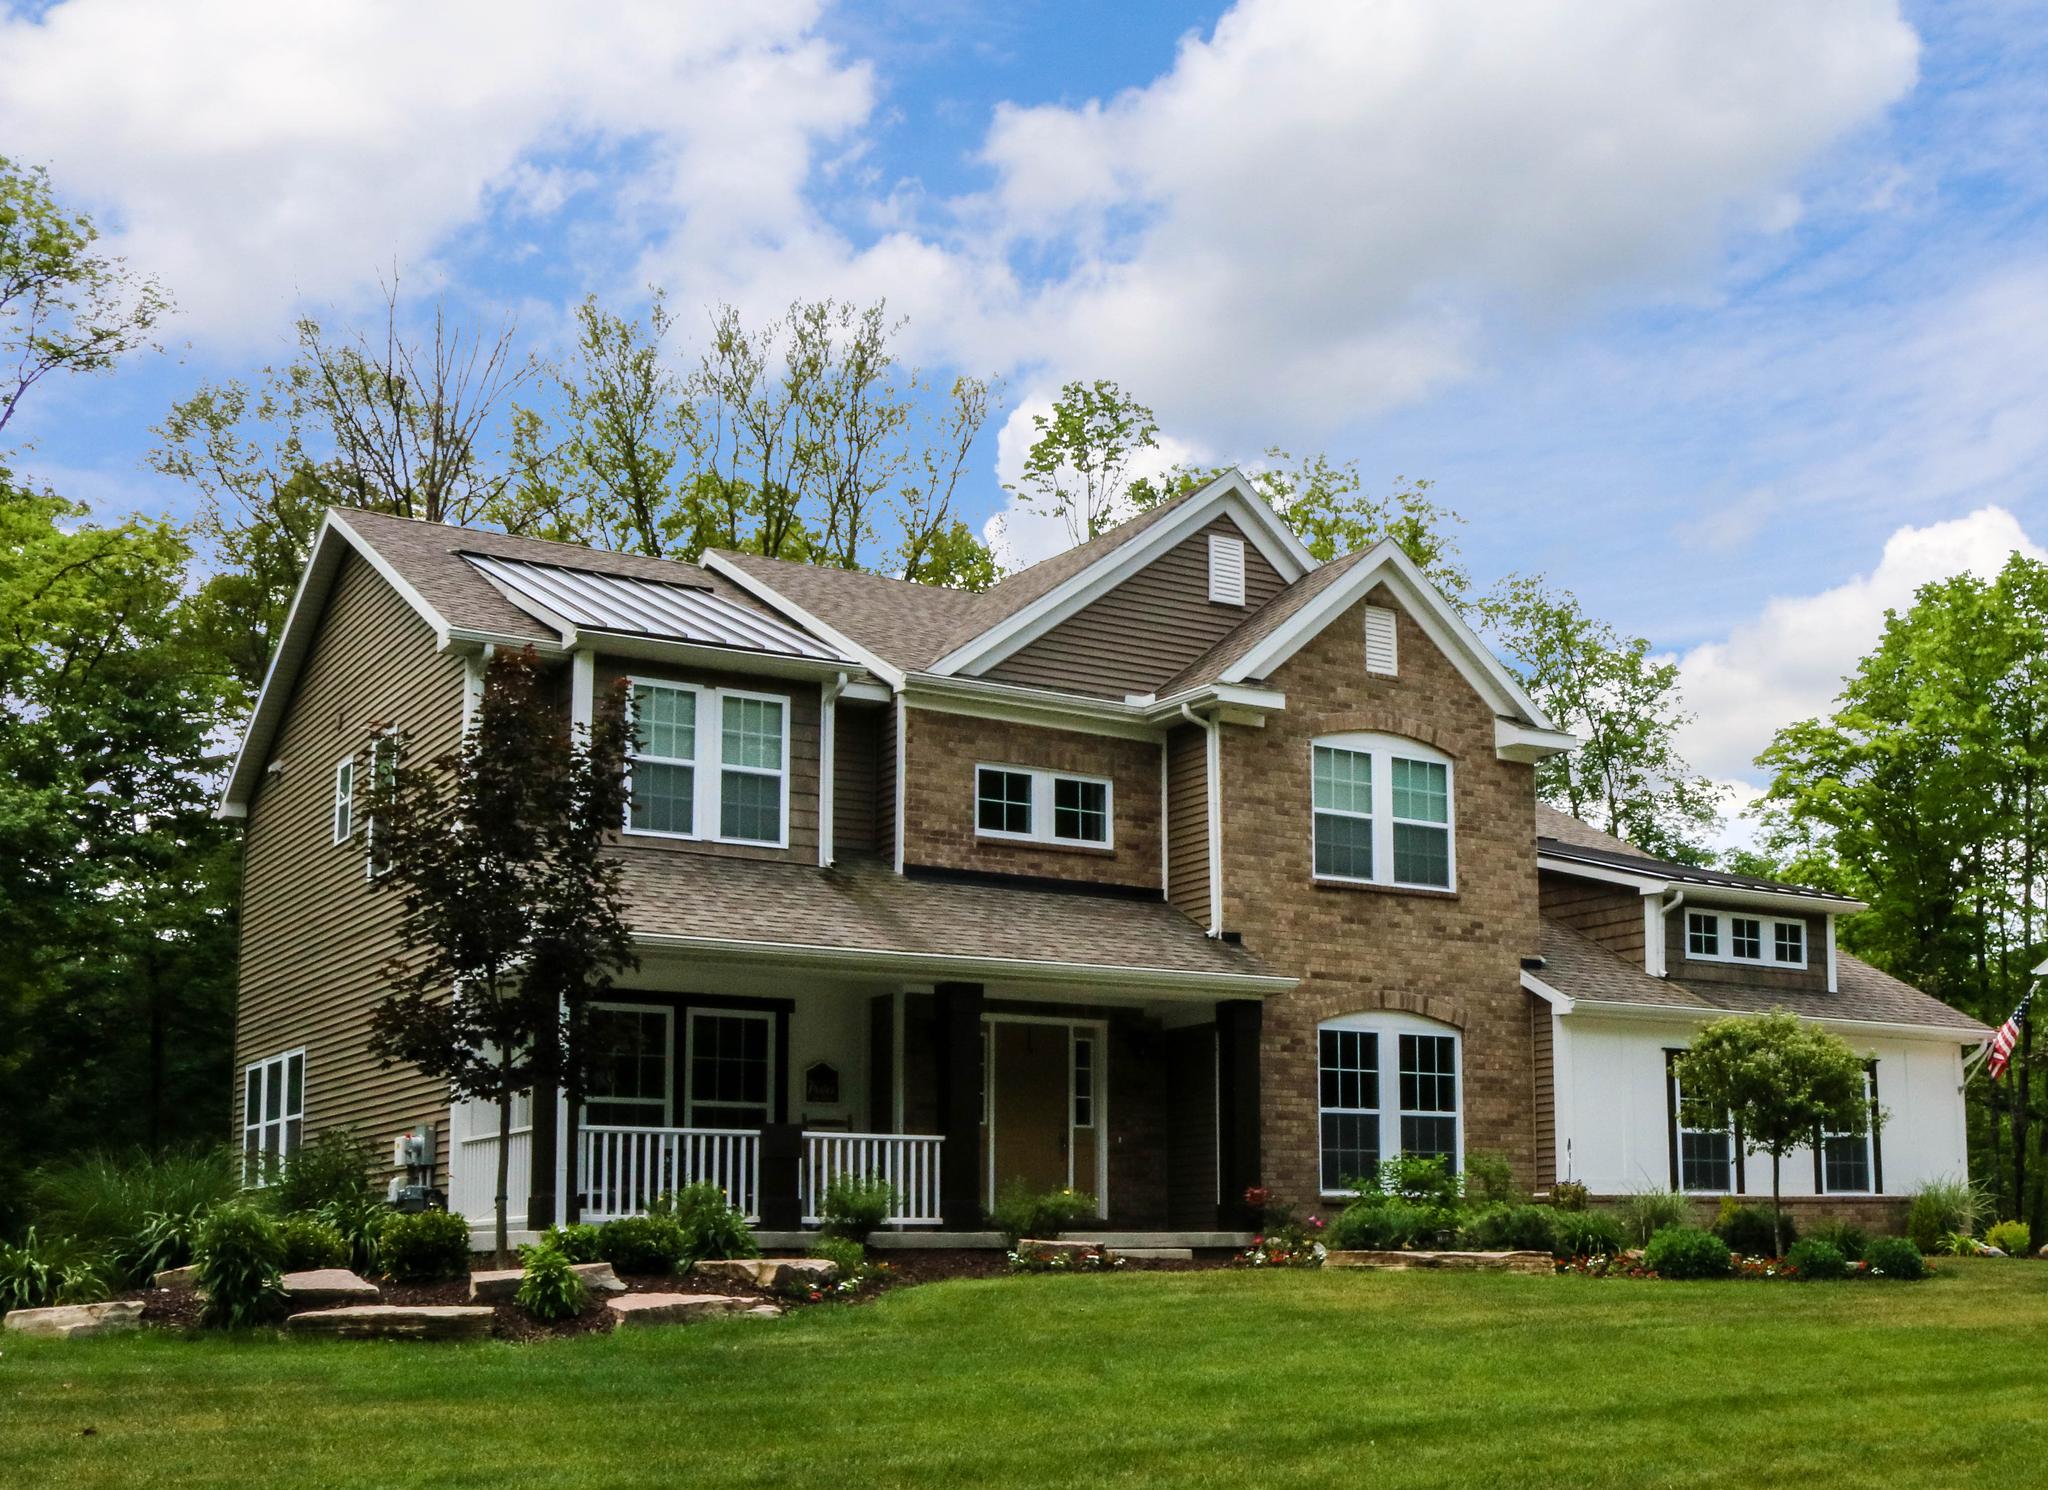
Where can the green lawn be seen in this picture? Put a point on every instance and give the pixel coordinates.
(1234, 1379)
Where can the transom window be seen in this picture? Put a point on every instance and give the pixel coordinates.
(680, 788)
(1356, 1086)
(273, 1114)
(1734, 936)
(1383, 815)
(1704, 1156)
(1040, 806)
(1848, 1161)
(628, 1084)
(731, 1068)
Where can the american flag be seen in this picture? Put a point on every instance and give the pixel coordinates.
(2007, 1037)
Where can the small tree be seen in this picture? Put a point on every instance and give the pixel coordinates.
(497, 849)
(1781, 1081)
(1078, 468)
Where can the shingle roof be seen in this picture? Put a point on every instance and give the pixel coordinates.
(1260, 624)
(905, 624)
(1582, 969)
(1567, 837)
(860, 905)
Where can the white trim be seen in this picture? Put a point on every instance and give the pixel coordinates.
(1229, 494)
(828, 719)
(1165, 837)
(902, 740)
(1044, 806)
(1833, 978)
(765, 592)
(1382, 750)
(1515, 741)
(1562, 1003)
(709, 766)
(1016, 704)
(1387, 1026)
(1212, 763)
(582, 689)
(1226, 570)
(1724, 939)
(1688, 1014)
(1559, 860)
(1654, 949)
(272, 1067)
(1868, 1135)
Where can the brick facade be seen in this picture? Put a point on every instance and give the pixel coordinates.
(1451, 957)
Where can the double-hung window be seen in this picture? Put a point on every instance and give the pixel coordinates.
(1737, 936)
(344, 799)
(628, 1085)
(709, 763)
(1382, 812)
(1032, 805)
(273, 1114)
(1847, 1162)
(1387, 1084)
(731, 1068)
(1703, 1152)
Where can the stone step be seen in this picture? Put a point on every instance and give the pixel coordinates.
(501, 1285)
(1491, 1262)
(1157, 1254)
(396, 1322)
(674, 1308)
(316, 1288)
(768, 1272)
(1070, 1248)
(184, 1277)
(77, 1321)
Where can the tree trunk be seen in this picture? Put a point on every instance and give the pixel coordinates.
(503, 1258)
(1777, 1206)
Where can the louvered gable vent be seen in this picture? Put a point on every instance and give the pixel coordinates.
(1226, 569)
(1379, 640)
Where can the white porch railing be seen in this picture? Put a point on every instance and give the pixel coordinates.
(622, 1170)
(908, 1161)
(473, 1177)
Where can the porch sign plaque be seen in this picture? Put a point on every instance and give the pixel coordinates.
(821, 1083)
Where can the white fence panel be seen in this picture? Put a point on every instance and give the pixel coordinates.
(909, 1162)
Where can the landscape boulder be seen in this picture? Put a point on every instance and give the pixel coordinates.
(318, 1287)
(396, 1322)
(672, 1308)
(501, 1285)
(184, 1277)
(768, 1272)
(77, 1321)
(1486, 1262)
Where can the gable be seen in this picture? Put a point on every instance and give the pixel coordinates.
(1149, 626)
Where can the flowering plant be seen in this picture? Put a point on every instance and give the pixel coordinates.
(1291, 1244)
(1040, 1257)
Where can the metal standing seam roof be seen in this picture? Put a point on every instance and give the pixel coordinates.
(645, 607)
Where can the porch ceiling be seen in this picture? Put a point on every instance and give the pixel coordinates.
(861, 915)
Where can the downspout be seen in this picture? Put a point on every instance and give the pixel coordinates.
(1676, 899)
(1213, 765)
(828, 700)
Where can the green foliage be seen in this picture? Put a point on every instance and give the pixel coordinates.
(137, 1209)
(1748, 1230)
(1682, 1252)
(1041, 1215)
(1517, 1228)
(578, 1241)
(1490, 1181)
(360, 1222)
(550, 1288)
(643, 1244)
(1423, 1181)
(2013, 1238)
(1588, 1234)
(708, 1223)
(1894, 1257)
(310, 1242)
(1646, 1212)
(334, 1166)
(1816, 1261)
(241, 1256)
(165, 1241)
(1078, 467)
(1959, 1244)
(1942, 1208)
(850, 1255)
(1388, 1224)
(38, 1273)
(855, 1207)
(1570, 1195)
(1846, 1237)
(424, 1246)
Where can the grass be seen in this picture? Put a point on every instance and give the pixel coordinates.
(1191, 1379)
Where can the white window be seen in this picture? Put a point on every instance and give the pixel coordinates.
(1737, 936)
(679, 789)
(383, 776)
(731, 1068)
(273, 1114)
(1703, 1158)
(1037, 806)
(344, 799)
(1393, 1066)
(1847, 1163)
(1226, 569)
(1382, 809)
(629, 1083)
(1082, 1090)
(1380, 631)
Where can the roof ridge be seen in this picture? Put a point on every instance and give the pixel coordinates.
(919, 585)
(346, 512)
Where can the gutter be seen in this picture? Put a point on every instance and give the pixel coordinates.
(828, 733)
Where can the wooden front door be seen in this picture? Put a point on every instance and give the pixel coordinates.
(1031, 1125)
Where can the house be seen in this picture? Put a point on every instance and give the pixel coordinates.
(1172, 865)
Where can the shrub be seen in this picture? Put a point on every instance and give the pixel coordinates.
(39, 1273)
(1941, 1209)
(550, 1288)
(1895, 1258)
(1846, 1237)
(1747, 1230)
(1959, 1244)
(1647, 1212)
(854, 1207)
(2013, 1238)
(360, 1222)
(333, 1167)
(642, 1244)
(310, 1242)
(1570, 1195)
(1422, 1181)
(848, 1254)
(166, 1241)
(241, 1252)
(1386, 1224)
(577, 1241)
(1489, 1180)
(1517, 1228)
(424, 1246)
(1021, 1212)
(1815, 1261)
(1687, 1252)
(707, 1223)
(1587, 1234)
(104, 1201)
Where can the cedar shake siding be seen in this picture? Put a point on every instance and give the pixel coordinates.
(943, 751)
(1153, 624)
(1611, 915)
(315, 933)
(1451, 957)
(1813, 978)
(1187, 821)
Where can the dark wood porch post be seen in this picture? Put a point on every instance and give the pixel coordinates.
(959, 1080)
(782, 1152)
(1237, 1105)
(545, 1165)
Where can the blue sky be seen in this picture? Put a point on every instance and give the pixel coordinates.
(1728, 317)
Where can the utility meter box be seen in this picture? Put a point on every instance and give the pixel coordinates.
(414, 1148)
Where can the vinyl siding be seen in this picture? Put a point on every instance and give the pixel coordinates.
(1187, 821)
(1543, 1091)
(1148, 628)
(315, 933)
(856, 777)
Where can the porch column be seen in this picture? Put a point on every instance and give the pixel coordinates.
(1237, 1105)
(782, 1153)
(544, 1156)
(958, 1006)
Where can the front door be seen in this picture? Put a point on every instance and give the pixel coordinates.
(1042, 1077)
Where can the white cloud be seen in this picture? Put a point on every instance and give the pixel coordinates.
(1788, 663)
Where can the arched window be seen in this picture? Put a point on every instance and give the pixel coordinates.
(1383, 812)
(1388, 1083)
